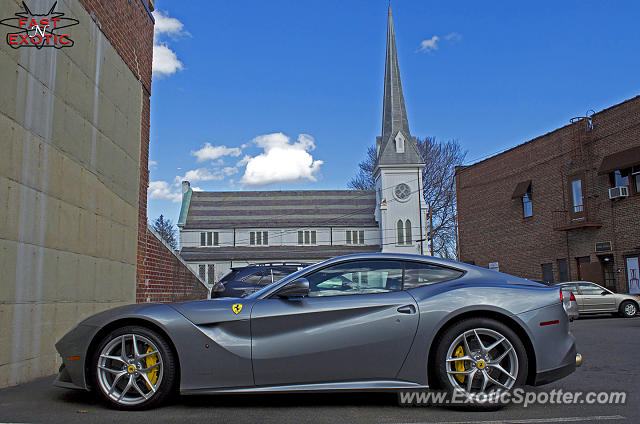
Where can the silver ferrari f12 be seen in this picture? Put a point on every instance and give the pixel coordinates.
(375, 322)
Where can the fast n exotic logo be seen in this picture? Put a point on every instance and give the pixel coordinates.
(39, 29)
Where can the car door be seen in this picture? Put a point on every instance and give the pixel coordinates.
(356, 324)
(594, 300)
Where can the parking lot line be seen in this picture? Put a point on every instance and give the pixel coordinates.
(532, 420)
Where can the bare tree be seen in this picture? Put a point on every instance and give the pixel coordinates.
(364, 179)
(439, 190)
(167, 231)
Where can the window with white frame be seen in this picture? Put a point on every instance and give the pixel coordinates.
(202, 272)
(209, 238)
(354, 236)
(258, 238)
(211, 273)
(307, 237)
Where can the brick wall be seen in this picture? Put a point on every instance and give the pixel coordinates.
(165, 277)
(491, 224)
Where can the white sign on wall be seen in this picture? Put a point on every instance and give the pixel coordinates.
(494, 266)
(633, 275)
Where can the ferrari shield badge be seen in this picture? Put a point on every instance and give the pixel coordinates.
(236, 308)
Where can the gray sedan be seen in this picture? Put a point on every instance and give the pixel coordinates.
(595, 299)
(372, 322)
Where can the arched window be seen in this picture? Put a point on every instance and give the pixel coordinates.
(400, 232)
(407, 229)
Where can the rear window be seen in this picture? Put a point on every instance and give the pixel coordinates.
(231, 275)
(419, 274)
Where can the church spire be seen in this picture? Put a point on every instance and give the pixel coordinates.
(394, 114)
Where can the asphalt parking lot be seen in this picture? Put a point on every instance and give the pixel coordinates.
(610, 347)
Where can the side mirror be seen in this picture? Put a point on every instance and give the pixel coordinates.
(604, 292)
(296, 288)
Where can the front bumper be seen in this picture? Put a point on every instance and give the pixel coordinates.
(72, 347)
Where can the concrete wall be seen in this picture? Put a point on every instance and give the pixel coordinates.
(70, 171)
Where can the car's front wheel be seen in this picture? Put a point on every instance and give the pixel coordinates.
(478, 357)
(133, 368)
(628, 309)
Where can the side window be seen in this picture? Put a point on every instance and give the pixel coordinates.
(357, 277)
(254, 279)
(590, 289)
(418, 274)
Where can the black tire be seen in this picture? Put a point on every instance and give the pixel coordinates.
(442, 381)
(167, 359)
(628, 309)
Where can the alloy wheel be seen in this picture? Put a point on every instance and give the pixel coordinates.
(481, 360)
(130, 369)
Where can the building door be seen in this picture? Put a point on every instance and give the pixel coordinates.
(580, 261)
(592, 272)
(633, 274)
(608, 272)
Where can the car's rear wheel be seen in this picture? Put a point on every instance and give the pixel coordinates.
(478, 357)
(133, 368)
(628, 309)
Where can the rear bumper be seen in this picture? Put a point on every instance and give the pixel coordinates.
(553, 375)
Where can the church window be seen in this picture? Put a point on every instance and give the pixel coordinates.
(400, 228)
(407, 231)
(259, 238)
(399, 143)
(355, 236)
(307, 237)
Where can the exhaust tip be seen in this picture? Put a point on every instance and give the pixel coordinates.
(578, 359)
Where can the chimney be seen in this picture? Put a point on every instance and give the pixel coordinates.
(186, 185)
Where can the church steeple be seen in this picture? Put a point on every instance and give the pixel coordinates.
(394, 149)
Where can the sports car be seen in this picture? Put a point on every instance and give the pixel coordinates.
(367, 322)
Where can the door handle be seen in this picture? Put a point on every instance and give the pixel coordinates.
(407, 309)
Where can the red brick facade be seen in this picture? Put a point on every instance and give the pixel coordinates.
(492, 225)
(165, 277)
(128, 25)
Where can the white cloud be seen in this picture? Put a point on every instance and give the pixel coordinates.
(162, 190)
(209, 152)
(432, 44)
(166, 24)
(152, 163)
(205, 174)
(282, 161)
(429, 44)
(453, 36)
(165, 61)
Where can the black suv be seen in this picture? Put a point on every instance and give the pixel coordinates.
(242, 281)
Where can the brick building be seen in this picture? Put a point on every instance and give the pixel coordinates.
(563, 206)
(74, 143)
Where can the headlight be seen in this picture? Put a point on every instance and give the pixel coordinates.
(218, 287)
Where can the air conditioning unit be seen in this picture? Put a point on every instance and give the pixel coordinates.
(618, 192)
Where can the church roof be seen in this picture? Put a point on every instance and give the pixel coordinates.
(394, 113)
(272, 252)
(278, 209)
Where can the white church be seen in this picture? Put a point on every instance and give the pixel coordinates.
(220, 230)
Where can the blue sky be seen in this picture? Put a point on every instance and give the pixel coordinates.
(289, 92)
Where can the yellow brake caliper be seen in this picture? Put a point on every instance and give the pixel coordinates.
(459, 353)
(150, 361)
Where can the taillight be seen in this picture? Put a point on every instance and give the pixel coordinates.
(572, 298)
(561, 297)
